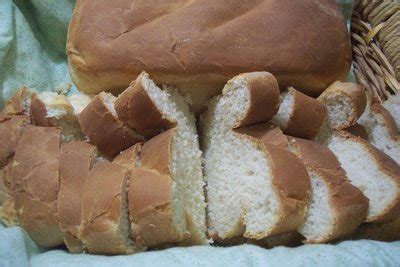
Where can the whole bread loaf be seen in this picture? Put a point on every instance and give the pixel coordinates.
(197, 46)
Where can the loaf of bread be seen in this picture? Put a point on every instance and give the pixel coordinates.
(251, 190)
(198, 46)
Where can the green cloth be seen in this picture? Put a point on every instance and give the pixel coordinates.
(32, 52)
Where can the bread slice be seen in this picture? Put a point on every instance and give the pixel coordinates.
(18, 104)
(105, 227)
(392, 104)
(151, 110)
(345, 103)
(372, 171)
(156, 196)
(250, 188)
(79, 101)
(337, 208)
(34, 184)
(100, 123)
(51, 109)
(300, 115)
(382, 130)
(76, 159)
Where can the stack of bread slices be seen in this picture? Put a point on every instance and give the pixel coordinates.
(116, 175)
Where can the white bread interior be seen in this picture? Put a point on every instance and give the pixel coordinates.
(79, 101)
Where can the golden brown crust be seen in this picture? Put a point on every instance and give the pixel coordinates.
(307, 116)
(104, 130)
(205, 49)
(10, 133)
(18, 104)
(386, 165)
(150, 194)
(357, 100)
(34, 179)
(266, 132)
(129, 158)
(358, 130)
(263, 98)
(76, 159)
(101, 210)
(135, 108)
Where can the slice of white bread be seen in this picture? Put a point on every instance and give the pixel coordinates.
(250, 188)
(150, 110)
(76, 159)
(299, 115)
(337, 207)
(51, 109)
(18, 104)
(372, 171)
(345, 103)
(99, 122)
(156, 197)
(34, 183)
(392, 104)
(105, 227)
(382, 130)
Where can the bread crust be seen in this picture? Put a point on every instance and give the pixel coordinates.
(357, 96)
(307, 117)
(197, 54)
(349, 205)
(135, 108)
(358, 130)
(263, 98)
(38, 113)
(104, 130)
(151, 196)
(76, 159)
(388, 232)
(10, 133)
(386, 165)
(101, 210)
(34, 184)
(129, 158)
(266, 132)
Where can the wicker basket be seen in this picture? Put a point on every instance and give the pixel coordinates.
(375, 35)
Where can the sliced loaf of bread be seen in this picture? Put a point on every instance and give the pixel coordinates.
(100, 123)
(151, 110)
(299, 115)
(76, 159)
(105, 227)
(251, 189)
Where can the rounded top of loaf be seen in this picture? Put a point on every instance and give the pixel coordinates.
(199, 45)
